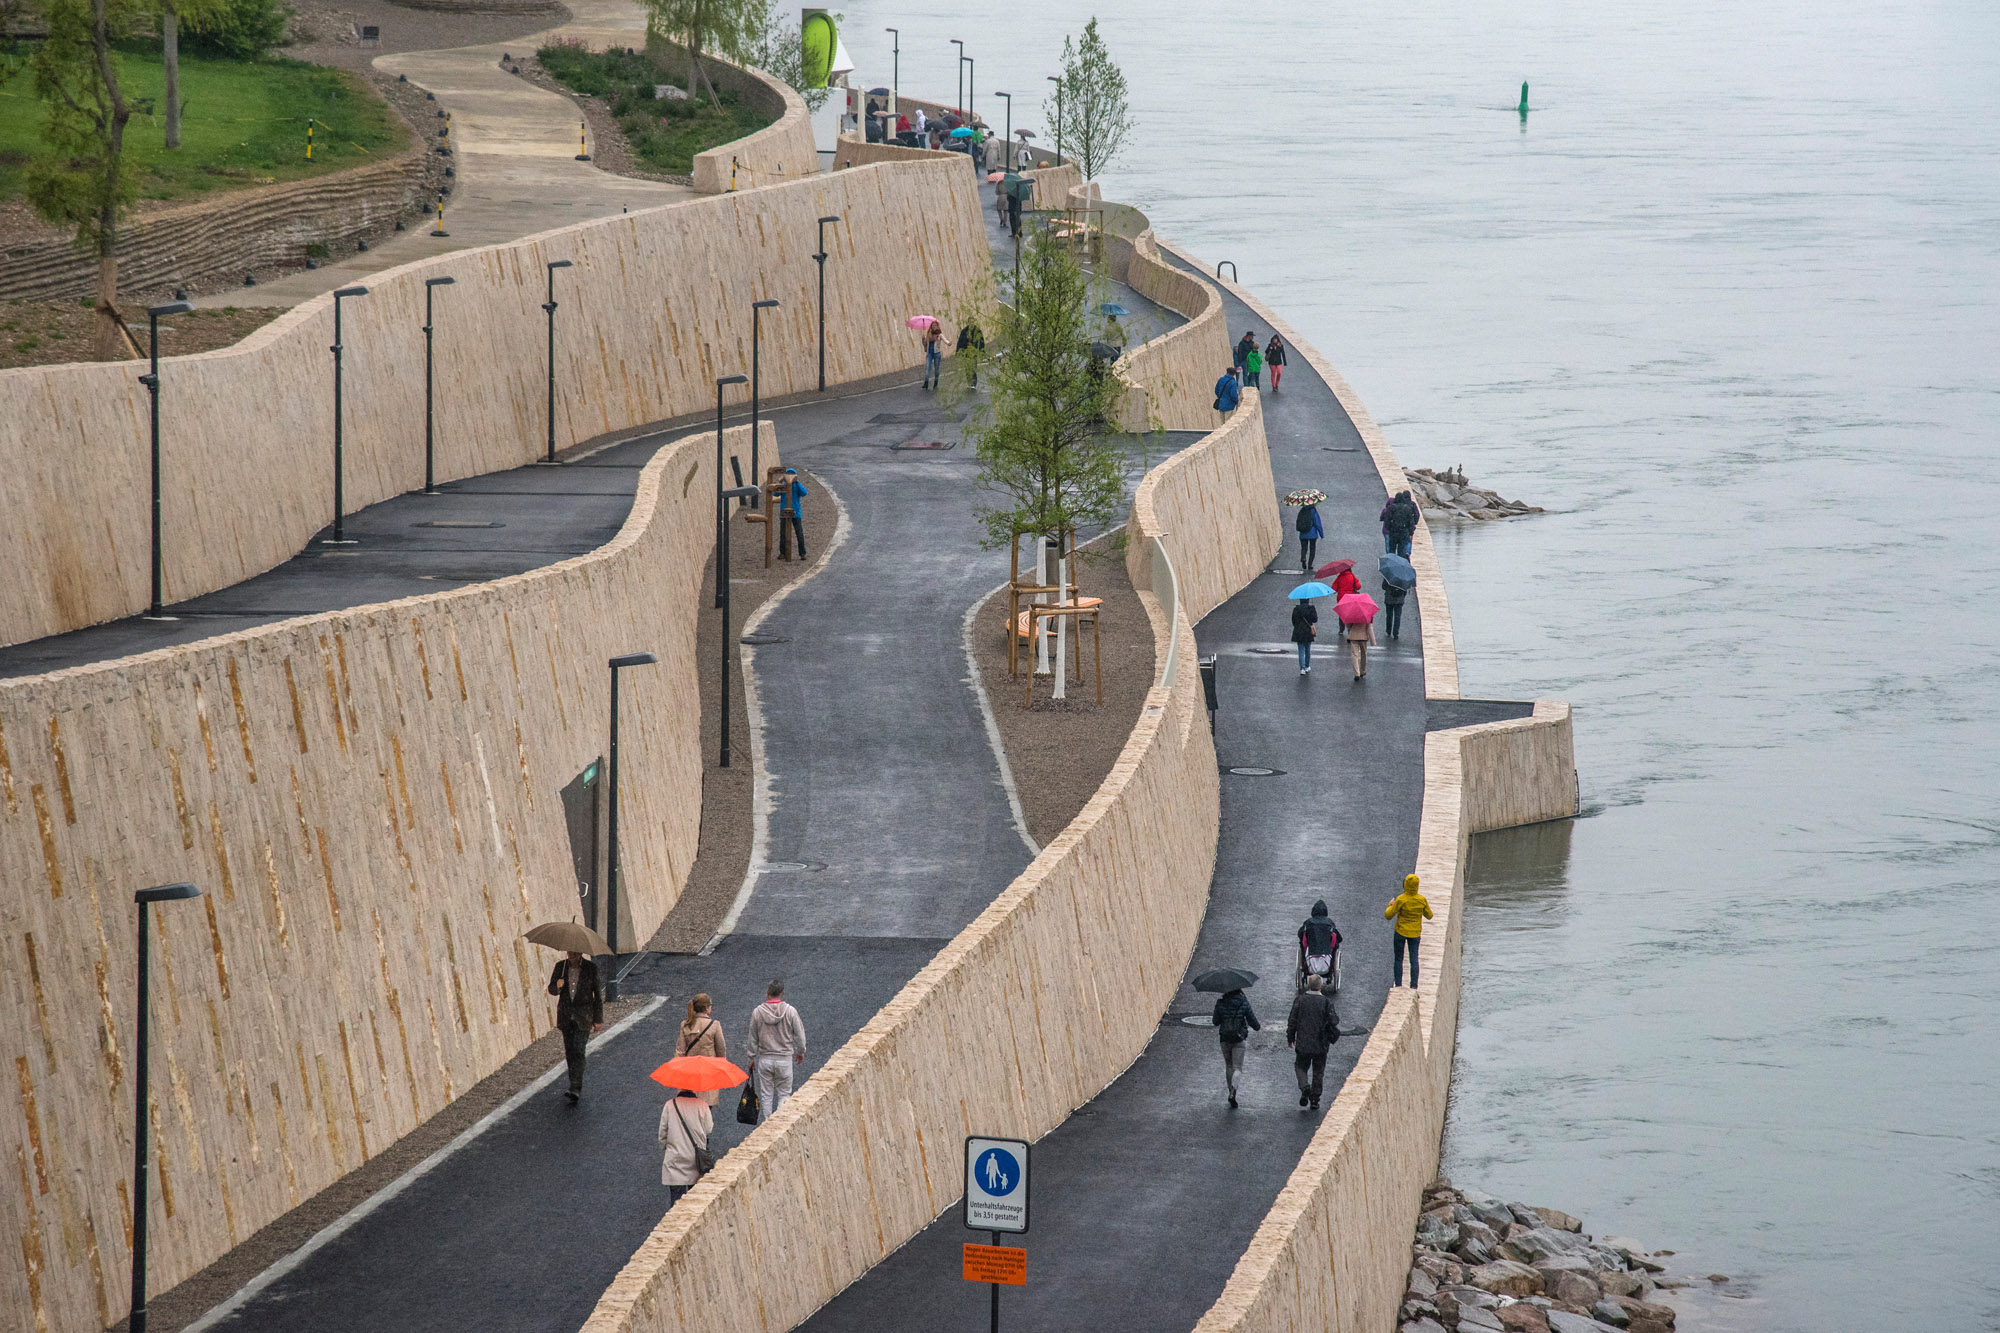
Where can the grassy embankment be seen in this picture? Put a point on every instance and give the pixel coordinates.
(664, 133)
(243, 123)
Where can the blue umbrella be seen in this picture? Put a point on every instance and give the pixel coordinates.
(1311, 590)
(961, 133)
(1397, 571)
(1113, 309)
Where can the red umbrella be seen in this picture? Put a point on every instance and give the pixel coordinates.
(1333, 568)
(1357, 608)
(698, 1073)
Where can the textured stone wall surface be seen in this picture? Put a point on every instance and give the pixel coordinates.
(784, 150)
(656, 307)
(1012, 1026)
(369, 801)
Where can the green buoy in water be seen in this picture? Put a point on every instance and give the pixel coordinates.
(1524, 99)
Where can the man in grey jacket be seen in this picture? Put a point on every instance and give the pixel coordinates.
(777, 1046)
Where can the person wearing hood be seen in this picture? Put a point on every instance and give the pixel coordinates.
(1242, 352)
(1310, 528)
(1344, 583)
(1393, 596)
(1318, 938)
(1228, 393)
(1399, 524)
(1305, 621)
(1311, 1030)
(1234, 1020)
(777, 1047)
(1408, 909)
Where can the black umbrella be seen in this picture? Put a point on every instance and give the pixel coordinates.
(1225, 979)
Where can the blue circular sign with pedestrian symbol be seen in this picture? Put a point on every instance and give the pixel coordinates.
(997, 1172)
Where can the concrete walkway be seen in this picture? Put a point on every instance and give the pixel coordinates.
(514, 147)
(1147, 1196)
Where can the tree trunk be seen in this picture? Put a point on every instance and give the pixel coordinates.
(109, 340)
(170, 50)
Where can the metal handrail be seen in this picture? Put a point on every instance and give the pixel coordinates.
(1232, 271)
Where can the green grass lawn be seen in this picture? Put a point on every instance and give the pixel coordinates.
(665, 133)
(242, 123)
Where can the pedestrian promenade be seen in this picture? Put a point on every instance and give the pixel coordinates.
(1145, 1199)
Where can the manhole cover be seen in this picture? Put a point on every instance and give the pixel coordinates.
(459, 523)
(1252, 771)
(763, 638)
(922, 444)
(793, 867)
(1198, 1020)
(1273, 652)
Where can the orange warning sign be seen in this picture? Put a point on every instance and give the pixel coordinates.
(996, 1263)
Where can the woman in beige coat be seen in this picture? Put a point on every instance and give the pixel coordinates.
(1359, 636)
(685, 1124)
(702, 1035)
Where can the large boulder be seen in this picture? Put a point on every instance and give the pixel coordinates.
(1608, 1311)
(1476, 1319)
(1521, 1317)
(1562, 1321)
(1570, 1288)
(1423, 1326)
(1434, 1233)
(1561, 1221)
(1633, 1253)
(1504, 1277)
(1650, 1312)
(1539, 1243)
(1422, 1284)
(1619, 1283)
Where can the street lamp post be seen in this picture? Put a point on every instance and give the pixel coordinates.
(971, 88)
(960, 105)
(895, 67)
(611, 866)
(550, 307)
(757, 308)
(722, 581)
(430, 443)
(145, 898)
(820, 259)
(156, 610)
(339, 537)
(1057, 81)
(721, 515)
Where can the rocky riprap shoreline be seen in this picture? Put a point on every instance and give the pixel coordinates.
(1482, 1266)
(1449, 494)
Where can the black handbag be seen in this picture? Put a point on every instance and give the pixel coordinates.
(748, 1108)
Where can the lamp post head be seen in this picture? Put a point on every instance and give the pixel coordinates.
(898, 34)
(762, 305)
(1008, 96)
(559, 263)
(731, 379)
(439, 282)
(166, 893)
(825, 220)
(633, 659)
(350, 291)
(171, 308)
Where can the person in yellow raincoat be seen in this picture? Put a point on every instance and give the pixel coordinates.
(1408, 910)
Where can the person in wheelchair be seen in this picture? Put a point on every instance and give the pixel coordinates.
(1319, 948)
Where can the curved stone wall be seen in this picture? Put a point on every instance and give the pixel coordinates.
(863, 1157)
(369, 800)
(784, 150)
(656, 307)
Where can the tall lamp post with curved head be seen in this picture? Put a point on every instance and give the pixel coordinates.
(1056, 79)
(430, 442)
(611, 865)
(895, 67)
(145, 898)
(721, 513)
(1007, 138)
(339, 537)
(960, 106)
(156, 610)
(757, 308)
(820, 259)
(550, 307)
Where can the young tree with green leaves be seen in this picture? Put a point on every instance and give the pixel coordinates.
(1091, 112)
(1044, 444)
(731, 28)
(82, 181)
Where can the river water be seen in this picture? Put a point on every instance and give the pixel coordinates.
(1728, 304)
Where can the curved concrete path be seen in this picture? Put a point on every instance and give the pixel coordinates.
(1147, 1196)
(514, 147)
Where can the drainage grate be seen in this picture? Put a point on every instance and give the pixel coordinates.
(922, 444)
(763, 638)
(1273, 652)
(794, 867)
(1252, 771)
(457, 523)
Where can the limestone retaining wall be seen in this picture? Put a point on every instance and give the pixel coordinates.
(656, 307)
(1013, 1025)
(1178, 369)
(784, 150)
(369, 800)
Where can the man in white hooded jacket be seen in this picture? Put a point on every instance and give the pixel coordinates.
(777, 1047)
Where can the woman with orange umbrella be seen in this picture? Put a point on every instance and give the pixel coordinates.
(686, 1122)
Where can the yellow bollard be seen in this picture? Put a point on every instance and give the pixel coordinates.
(440, 219)
(733, 164)
(309, 141)
(582, 143)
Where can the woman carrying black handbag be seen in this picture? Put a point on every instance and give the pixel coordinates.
(685, 1124)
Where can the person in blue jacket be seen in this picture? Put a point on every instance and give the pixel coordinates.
(1228, 393)
(792, 515)
(1310, 530)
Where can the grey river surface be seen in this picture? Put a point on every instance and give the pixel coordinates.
(1727, 305)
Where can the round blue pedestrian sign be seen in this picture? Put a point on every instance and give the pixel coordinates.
(997, 1172)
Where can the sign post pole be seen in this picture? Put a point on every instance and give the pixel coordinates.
(996, 1294)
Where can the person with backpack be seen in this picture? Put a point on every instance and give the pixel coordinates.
(970, 339)
(1408, 909)
(1305, 622)
(1234, 1021)
(1318, 939)
(685, 1124)
(1310, 530)
(1399, 524)
(1227, 392)
(1393, 596)
(1253, 364)
(1274, 357)
(792, 515)
(1311, 1030)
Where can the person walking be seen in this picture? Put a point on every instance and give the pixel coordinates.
(1318, 938)
(685, 1124)
(1310, 529)
(1311, 1029)
(933, 355)
(701, 1034)
(791, 514)
(1305, 622)
(1234, 1020)
(1399, 524)
(1274, 357)
(777, 1046)
(1359, 634)
(1227, 392)
(971, 340)
(1253, 365)
(1344, 583)
(579, 1012)
(1409, 910)
(1393, 596)
(1243, 349)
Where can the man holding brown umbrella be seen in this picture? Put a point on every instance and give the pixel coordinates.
(578, 990)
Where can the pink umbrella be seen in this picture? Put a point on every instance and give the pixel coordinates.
(1357, 608)
(993, 176)
(921, 321)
